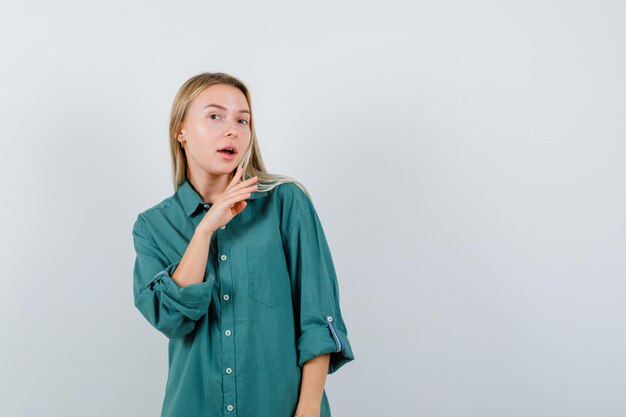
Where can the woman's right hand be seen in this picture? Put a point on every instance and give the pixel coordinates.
(228, 204)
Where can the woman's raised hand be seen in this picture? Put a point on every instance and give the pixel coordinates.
(230, 203)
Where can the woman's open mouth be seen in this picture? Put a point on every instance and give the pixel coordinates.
(228, 152)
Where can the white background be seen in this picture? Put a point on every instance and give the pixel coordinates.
(466, 160)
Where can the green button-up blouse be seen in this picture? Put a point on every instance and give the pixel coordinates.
(268, 303)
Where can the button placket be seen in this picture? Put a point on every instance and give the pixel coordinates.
(227, 319)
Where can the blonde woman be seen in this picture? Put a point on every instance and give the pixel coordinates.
(234, 268)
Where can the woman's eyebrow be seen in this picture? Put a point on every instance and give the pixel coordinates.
(223, 108)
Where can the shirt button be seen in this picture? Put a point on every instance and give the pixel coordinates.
(226, 297)
(222, 227)
(227, 332)
(223, 257)
(229, 371)
(230, 407)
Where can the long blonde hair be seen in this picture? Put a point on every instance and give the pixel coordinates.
(252, 161)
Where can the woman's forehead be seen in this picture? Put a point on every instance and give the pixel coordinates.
(222, 96)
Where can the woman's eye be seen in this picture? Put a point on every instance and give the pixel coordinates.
(245, 122)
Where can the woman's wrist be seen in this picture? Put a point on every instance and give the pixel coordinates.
(204, 231)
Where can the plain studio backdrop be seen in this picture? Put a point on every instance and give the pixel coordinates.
(466, 160)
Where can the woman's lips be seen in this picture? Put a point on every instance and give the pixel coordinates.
(226, 155)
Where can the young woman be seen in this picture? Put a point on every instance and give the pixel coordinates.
(234, 268)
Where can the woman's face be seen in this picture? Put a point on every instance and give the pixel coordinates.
(218, 118)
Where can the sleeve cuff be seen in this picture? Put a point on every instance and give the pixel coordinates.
(192, 300)
(321, 340)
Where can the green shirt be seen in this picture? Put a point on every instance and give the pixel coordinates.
(269, 302)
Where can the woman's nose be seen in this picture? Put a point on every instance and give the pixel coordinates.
(231, 128)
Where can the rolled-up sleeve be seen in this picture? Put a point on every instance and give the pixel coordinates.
(320, 325)
(169, 308)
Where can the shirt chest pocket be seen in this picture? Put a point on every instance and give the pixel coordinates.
(266, 274)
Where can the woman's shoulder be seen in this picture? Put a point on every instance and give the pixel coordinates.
(164, 204)
(155, 211)
(293, 197)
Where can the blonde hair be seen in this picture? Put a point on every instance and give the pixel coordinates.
(252, 161)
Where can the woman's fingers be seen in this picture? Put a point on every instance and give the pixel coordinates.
(242, 184)
(235, 179)
(239, 206)
(236, 194)
(231, 202)
(235, 182)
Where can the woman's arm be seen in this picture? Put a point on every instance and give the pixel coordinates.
(314, 374)
(169, 307)
(193, 263)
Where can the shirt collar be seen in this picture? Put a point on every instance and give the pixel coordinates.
(191, 200)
